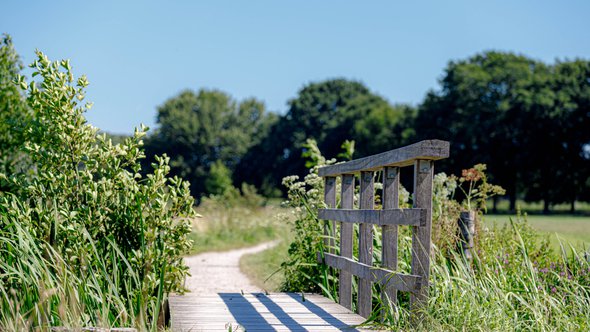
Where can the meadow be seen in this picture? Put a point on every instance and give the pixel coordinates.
(229, 224)
(561, 228)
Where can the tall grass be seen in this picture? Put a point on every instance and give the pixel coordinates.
(502, 291)
(40, 289)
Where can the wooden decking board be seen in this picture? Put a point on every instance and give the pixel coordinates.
(260, 312)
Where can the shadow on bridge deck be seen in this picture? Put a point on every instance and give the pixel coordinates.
(260, 312)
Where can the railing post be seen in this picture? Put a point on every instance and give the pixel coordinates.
(330, 199)
(367, 199)
(389, 234)
(345, 277)
(423, 175)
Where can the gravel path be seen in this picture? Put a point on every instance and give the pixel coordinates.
(215, 272)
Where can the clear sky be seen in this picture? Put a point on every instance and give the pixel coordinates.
(138, 54)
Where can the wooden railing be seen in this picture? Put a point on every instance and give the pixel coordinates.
(421, 155)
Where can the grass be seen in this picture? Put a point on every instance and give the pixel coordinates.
(226, 227)
(537, 207)
(571, 229)
(40, 288)
(263, 268)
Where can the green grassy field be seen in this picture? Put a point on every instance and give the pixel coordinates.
(230, 227)
(582, 208)
(263, 268)
(572, 229)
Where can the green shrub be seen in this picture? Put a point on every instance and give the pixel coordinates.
(89, 205)
(219, 181)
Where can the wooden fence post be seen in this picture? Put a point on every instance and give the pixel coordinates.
(423, 176)
(346, 231)
(367, 199)
(330, 199)
(389, 234)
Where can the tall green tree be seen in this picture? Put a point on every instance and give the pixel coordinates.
(14, 113)
(196, 129)
(476, 111)
(558, 108)
(329, 112)
(526, 119)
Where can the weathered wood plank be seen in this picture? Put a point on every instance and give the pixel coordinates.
(423, 176)
(389, 233)
(330, 200)
(399, 281)
(260, 312)
(346, 231)
(405, 156)
(412, 217)
(366, 201)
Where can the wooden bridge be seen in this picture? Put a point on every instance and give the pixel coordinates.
(237, 311)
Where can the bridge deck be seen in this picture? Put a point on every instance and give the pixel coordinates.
(259, 312)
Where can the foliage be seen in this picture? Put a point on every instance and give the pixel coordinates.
(445, 212)
(301, 271)
(218, 182)
(517, 284)
(13, 112)
(329, 112)
(512, 112)
(347, 150)
(88, 212)
(197, 129)
(478, 189)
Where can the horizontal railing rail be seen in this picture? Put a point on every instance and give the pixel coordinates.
(405, 156)
(410, 217)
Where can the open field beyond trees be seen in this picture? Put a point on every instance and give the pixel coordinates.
(565, 229)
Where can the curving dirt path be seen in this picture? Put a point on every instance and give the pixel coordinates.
(218, 272)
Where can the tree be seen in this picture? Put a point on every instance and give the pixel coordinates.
(476, 111)
(14, 113)
(561, 133)
(384, 127)
(527, 120)
(327, 112)
(199, 128)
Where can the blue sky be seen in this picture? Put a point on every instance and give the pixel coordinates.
(138, 54)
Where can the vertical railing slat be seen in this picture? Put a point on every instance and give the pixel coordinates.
(347, 201)
(330, 199)
(389, 234)
(423, 176)
(367, 197)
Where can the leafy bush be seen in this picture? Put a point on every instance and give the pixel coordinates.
(219, 181)
(87, 209)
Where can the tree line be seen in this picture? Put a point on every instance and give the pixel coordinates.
(529, 121)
